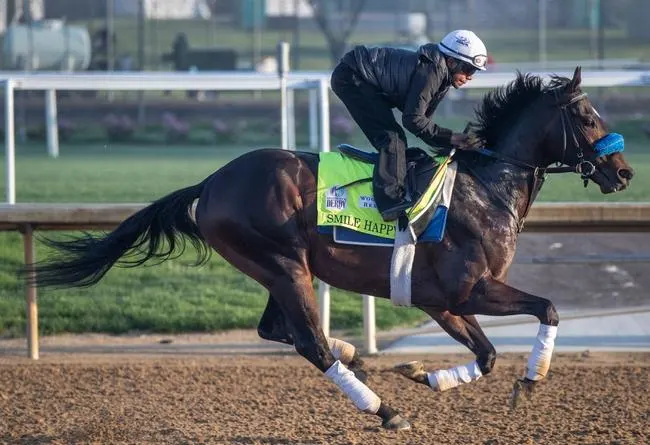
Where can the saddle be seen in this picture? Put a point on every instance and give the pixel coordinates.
(420, 169)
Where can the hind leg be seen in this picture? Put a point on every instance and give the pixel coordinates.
(466, 330)
(301, 315)
(349, 356)
(272, 327)
(282, 269)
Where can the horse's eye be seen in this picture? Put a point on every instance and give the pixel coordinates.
(591, 123)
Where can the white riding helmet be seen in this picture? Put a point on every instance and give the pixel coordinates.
(466, 46)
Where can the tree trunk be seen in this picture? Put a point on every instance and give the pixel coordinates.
(337, 30)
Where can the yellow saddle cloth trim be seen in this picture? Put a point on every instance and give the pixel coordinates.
(354, 206)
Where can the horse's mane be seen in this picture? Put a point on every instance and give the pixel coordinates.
(501, 106)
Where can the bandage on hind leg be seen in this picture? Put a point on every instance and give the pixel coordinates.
(362, 396)
(341, 350)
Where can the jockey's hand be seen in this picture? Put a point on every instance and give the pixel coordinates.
(460, 140)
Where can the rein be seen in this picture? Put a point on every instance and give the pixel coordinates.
(583, 167)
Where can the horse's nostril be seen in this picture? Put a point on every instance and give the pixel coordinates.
(625, 173)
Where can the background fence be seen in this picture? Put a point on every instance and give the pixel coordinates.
(224, 81)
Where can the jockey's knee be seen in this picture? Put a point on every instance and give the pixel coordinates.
(389, 142)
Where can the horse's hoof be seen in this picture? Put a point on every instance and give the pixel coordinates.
(396, 423)
(521, 386)
(414, 371)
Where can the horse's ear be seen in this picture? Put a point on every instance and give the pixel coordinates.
(577, 78)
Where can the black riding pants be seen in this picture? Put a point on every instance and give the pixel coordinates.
(374, 115)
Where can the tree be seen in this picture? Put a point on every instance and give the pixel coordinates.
(336, 20)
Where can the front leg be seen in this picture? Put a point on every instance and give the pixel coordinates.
(492, 297)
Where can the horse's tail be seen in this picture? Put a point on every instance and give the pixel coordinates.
(158, 231)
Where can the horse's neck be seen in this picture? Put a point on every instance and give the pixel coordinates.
(523, 147)
(514, 185)
(501, 185)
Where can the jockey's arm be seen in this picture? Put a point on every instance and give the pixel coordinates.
(424, 85)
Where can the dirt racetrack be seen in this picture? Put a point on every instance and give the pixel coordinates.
(233, 388)
(589, 398)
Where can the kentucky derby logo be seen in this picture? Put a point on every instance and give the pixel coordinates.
(462, 40)
(336, 198)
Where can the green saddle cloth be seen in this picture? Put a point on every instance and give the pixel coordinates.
(344, 197)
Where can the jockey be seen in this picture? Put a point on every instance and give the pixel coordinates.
(373, 81)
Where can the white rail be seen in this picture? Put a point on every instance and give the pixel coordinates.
(224, 81)
(51, 82)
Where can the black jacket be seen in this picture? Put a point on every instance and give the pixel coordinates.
(413, 81)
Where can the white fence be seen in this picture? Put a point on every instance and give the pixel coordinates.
(318, 87)
(316, 82)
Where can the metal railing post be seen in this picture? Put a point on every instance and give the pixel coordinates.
(283, 69)
(10, 144)
(369, 326)
(313, 118)
(51, 124)
(324, 288)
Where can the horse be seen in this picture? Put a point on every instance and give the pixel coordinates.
(259, 213)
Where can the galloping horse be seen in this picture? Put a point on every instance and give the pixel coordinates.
(259, 213)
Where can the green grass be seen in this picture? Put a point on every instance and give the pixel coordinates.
(174, 296)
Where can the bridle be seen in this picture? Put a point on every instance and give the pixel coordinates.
(583, 167)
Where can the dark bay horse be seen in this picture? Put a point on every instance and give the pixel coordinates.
(259, 213)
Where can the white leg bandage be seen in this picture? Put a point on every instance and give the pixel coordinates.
(341, 350)
(540, 358)
(445, 379)
(362, 397)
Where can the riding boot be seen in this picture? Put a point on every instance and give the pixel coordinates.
(388, 184)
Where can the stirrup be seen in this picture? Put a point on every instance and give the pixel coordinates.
(394, 212)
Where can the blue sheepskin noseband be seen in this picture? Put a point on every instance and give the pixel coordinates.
(608, 144)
